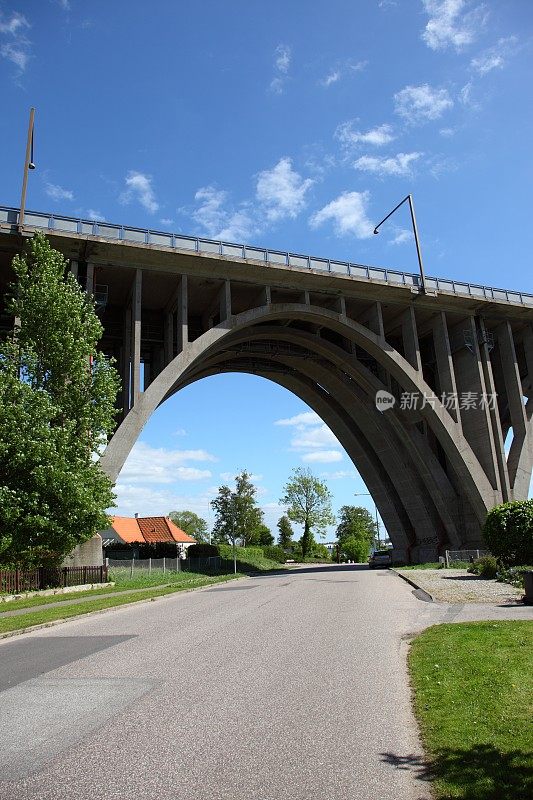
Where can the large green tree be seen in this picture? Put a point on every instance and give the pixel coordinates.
(237, 514)
(356, 532)
(308, 502)
(57, 396)
(191, 523)
(285, 532)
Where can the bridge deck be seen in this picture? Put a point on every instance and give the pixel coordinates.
(274, 258)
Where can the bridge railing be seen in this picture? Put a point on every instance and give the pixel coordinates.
(266, 256)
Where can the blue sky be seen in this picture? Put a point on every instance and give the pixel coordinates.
(292, 125)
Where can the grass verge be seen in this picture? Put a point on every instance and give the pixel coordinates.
(473, 696)
(65, 611)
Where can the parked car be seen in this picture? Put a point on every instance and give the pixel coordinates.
(381, 558)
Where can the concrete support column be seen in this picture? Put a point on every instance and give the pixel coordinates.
(225, 301)
(410, 338)
(470, 379)
(182, 315)
(443, 355)
(136, 306)
(89, 288)
(168, 337)
(126, 361)
(493, 411)
(518, 476)
(74, 268)
(373, 319)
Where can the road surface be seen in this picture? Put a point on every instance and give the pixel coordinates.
(289, 686)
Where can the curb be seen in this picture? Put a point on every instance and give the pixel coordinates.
(54, 622)
(425, 595)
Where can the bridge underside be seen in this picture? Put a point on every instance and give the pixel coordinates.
(434, 467)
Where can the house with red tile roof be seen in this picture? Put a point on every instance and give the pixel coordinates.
(145, 535)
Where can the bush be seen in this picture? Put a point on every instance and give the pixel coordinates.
(275, 553)
(485, 567)
(508, 532)
(513, 575)
(203, 550)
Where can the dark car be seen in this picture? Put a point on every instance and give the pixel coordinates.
(381, 558)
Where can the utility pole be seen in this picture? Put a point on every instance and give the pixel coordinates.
(28, 164)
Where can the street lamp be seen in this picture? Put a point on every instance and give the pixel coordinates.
(415, 231)
(28, 164)
(367, 494)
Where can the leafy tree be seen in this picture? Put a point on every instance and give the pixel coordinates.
(263, 536)
(191, 523)
(508, 532)
(285, 532)
(237, 514)
(308, 502)
(356, 532)
(57, 396)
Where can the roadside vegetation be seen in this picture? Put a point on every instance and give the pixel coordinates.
(72, 606)
(473, 688)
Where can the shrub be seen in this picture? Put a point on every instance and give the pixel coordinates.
(203, 550)
(512, 575)
(486, 567)
(275, 553)
(508, 532)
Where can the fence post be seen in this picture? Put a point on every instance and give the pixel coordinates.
(447, 560)
(150, 566)
(84, 576)
(164, 565)
(477, 554)
(131, 571)
(17, 581)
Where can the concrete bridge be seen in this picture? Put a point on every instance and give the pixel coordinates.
(455, 360)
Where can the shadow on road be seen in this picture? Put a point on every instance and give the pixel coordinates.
(329, 568)
(481, 772)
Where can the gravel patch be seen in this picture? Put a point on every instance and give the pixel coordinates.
(458, 586)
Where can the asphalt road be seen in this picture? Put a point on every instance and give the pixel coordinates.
(286, 686)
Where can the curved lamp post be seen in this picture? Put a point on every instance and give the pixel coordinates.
(409, 199)
(28, 164)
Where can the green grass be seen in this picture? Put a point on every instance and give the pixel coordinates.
(64, 611)
(473, 696)
(249, 559)
(429, 565)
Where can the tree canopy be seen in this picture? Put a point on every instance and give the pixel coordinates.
(285, 532)
(237, 514)
(57, 396)
(308, 502)
(356, 532)
(191, 523)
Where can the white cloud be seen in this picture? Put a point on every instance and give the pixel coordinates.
(15, 23)
(401, 236)
(378, 136)
(17, 50)
(65, 4)
(451, 23)
(348, 214)
(281, 191)
(230, 476)
(218, 221)
(333, 77)
(303, 419)
(418, 104)
(166, 222)
(466, 96)
(180, 432)
(399, 164)
(340, 474)
(57, 192)
(494, 57)
(314, 437)
(322, 457)
(447, 132)
(139, 187)
(146, 464)
(282, 62)
(155, 501)
(95, 215)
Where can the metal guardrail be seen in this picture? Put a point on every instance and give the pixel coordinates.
(195, 244)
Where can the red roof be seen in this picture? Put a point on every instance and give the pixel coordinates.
(150, 530)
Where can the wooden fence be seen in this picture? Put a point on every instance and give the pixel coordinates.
(14, 581)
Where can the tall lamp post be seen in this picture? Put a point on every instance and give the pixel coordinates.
(409, 199)
(367, 494)
(28, 164)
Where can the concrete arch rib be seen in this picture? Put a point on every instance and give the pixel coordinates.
(455, 446)
(365, 426)
(425, 464)
(374, 475)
